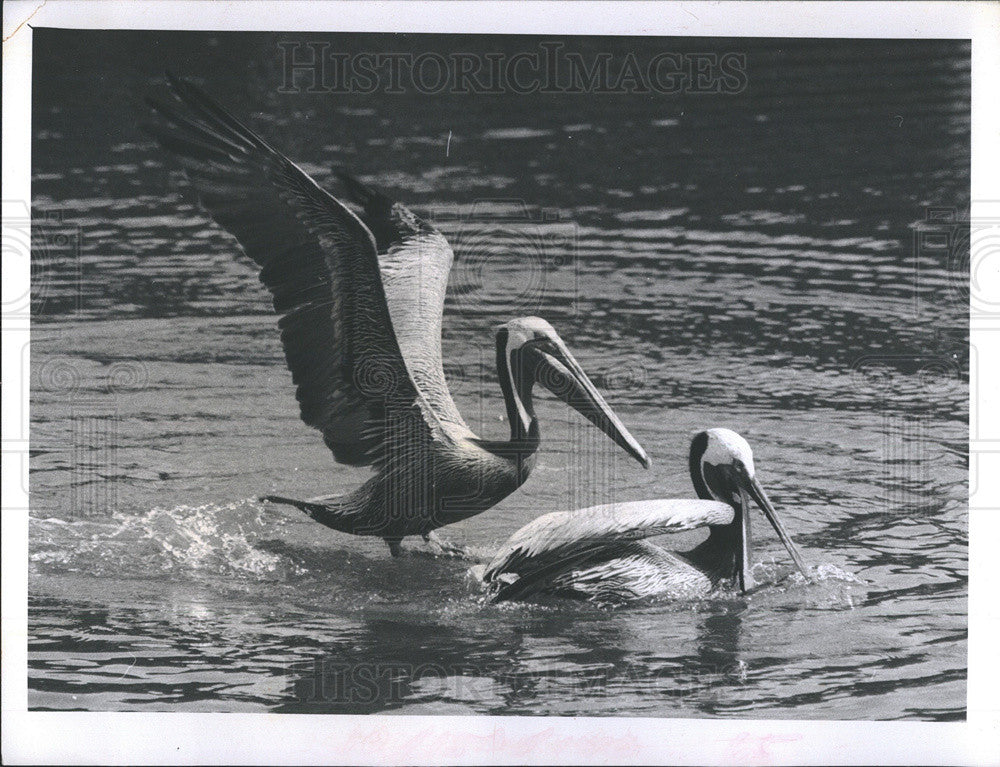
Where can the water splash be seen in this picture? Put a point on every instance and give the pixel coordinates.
(212, 539)
(828, 586)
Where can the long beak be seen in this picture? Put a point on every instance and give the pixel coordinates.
(562, 375)
(746, 555)
(760, 498)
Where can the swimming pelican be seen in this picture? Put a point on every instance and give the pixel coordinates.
(601, 554)
(360, 300)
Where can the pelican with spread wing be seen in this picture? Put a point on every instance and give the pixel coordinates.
(360, 299)
(602, 554)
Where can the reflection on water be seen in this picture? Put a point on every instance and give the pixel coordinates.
(751, 261)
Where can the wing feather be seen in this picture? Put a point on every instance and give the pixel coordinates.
(415, 260)
(564, 538)
(320, 263)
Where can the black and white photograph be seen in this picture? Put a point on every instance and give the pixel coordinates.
(560, 393)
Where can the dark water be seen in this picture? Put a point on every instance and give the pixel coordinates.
(747, 260)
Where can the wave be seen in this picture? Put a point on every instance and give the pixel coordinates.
(213, 539)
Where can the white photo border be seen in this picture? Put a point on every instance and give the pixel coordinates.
(183, 738)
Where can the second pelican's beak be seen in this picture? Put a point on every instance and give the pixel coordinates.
(561, 374)
(756, 491)
(745, 573)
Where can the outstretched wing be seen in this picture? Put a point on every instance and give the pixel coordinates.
(320, 263)
(415, 260)
(562, 539)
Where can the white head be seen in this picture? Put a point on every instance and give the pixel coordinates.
(525, 329)
(727, 448)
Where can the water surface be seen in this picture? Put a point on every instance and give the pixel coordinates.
(742, 260)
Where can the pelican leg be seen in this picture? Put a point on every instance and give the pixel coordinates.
(446, 548)
(395, 546)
